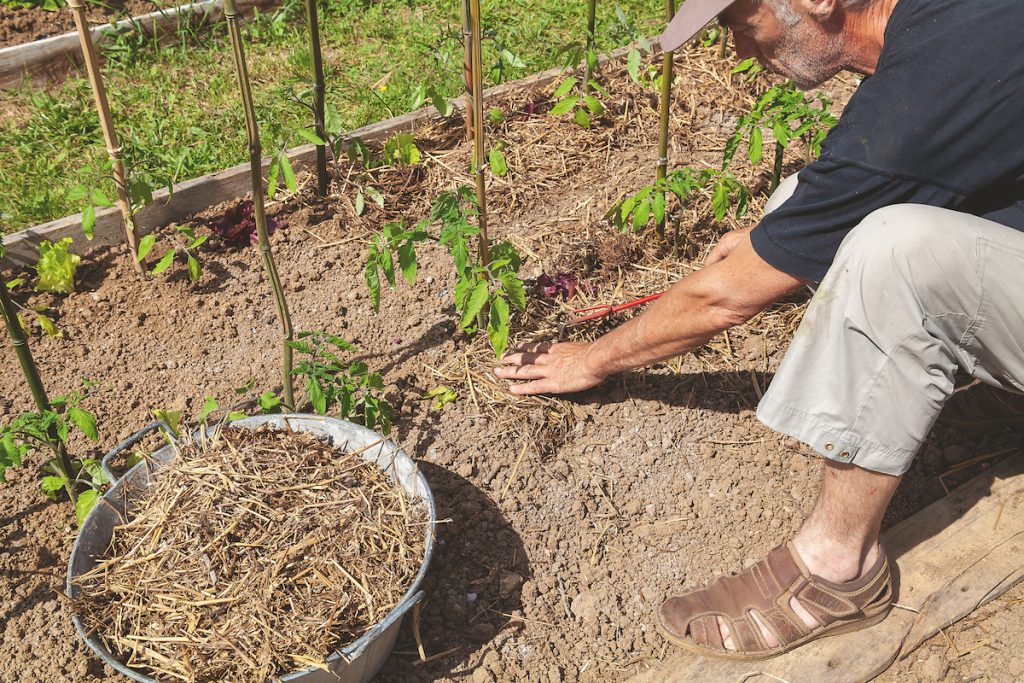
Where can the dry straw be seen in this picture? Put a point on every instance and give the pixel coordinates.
(252, 554)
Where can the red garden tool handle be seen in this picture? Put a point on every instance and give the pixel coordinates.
(595, 312)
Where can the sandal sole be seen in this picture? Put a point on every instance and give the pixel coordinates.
(872, 617)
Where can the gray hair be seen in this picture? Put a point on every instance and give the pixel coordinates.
(788, 16)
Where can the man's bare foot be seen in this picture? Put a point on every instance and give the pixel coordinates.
(833, 564)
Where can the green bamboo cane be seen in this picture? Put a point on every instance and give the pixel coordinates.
(28, 366)
(259, 212)
(723, 46)
(591, 26)
(92, 65)
(667, 73)
(467, 65)
(319, 88)
(780, 151)
(478, 128)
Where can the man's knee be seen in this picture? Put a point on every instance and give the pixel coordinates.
(782, 193)
(906, 238)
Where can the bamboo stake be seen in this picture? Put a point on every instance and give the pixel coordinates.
(259, 211)
(319, 88)
(723, 46)
(467, 65)
(780, 151)
(667, 74)
(478, 127)
(28, 366)
(591, 25)
(92, 64)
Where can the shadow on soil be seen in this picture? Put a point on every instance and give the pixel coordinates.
(473, 586)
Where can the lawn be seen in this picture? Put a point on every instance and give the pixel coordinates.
(176, 106)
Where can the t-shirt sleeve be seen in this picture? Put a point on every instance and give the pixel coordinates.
(832, 197)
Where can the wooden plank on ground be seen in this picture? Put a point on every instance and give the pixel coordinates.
(232, 183)
(55, 57)
(953, 556)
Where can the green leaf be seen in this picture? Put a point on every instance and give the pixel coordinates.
(145, 246)
(720, 202)
(269, 402)
(387, 265)
(475, 302)
(96, 474)
(310, 136)
(407, 261)
(48, 326)
(360, 203)
(195, 271)
(235, 415)
(563, 88)
(164, 263)
(642, 214)
(498, 326)
(442, 395)
(86, 502)
(209, 405)
(98, 197)
(499, 166)
(755, 146)
(515, 289)
(565, 105)
(273, 173)
(85, 421)
(581, 119)
(374, 194)
(56, 267)
(372, 280)
(77, 193)
(51, 484)
(594, 105)
(495, 116)
(88, 220)
(658, 207)
(317, 397)
(419, 96)
(289, 174)
(441, 103)
(172, 418)
(633, 64)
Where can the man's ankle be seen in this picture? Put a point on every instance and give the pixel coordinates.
(835, 562)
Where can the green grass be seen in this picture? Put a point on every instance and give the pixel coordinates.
(177, 111)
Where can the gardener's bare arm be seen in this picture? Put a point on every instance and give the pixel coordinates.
(734, 286)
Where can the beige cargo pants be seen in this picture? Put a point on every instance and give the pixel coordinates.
(914, 294)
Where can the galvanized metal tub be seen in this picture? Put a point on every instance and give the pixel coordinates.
(356, 662)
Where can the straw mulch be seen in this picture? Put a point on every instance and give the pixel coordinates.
(252, 554)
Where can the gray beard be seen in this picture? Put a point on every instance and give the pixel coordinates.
(807, 66)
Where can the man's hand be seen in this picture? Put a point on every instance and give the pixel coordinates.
(726, 245)
(552, 368)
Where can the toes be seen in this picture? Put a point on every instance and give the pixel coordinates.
(723, 630)
(805, 616)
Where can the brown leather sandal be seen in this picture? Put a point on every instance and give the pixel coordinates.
(765, 589)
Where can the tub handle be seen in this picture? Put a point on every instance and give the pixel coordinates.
(131, 441)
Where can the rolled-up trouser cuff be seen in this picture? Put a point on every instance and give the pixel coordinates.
(833, 443)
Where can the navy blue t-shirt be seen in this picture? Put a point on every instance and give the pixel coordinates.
(941, 122)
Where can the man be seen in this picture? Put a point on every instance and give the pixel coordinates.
(911, 222)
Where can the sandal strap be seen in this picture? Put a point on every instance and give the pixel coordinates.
(765, 590)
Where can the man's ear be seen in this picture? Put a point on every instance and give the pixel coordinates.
(819, 10)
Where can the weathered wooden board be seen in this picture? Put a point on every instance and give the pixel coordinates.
(232, 183)
(953, 556)
(53, 58)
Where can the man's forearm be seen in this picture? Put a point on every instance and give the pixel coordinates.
(697, 308)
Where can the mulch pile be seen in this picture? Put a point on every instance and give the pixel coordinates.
(254, 553)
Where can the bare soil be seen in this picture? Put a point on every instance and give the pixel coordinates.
(27, 24)
(566, 521)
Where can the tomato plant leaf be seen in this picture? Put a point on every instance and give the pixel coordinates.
(407, 261)
(475, 302)
(498, 325)
(164, 263)
(145, 246)
(85, 503)
(209, 405)
(563, 88)
(88, 220)
(85, 421)
(565, 105)
(581, 119)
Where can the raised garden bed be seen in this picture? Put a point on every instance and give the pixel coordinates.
(569, 519)
(36, 43)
